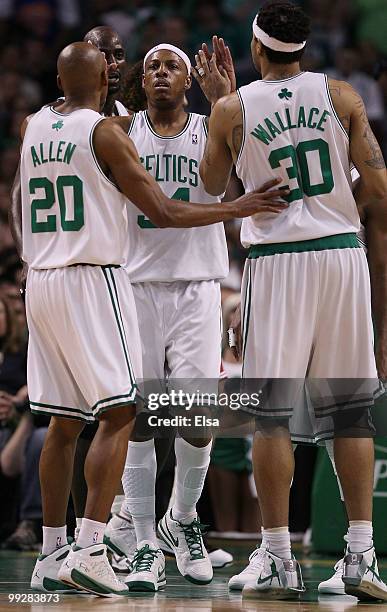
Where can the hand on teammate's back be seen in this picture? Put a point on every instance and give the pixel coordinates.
(262, 200)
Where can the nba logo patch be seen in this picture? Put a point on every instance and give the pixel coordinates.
(59, 542)
(95, 537)
(194, 139)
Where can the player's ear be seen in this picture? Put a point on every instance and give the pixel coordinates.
(59, 82)
(258, 47)
(143, 80)
(188, 82)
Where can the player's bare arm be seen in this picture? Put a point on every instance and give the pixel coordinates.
(223, 144)
(118, 156)
(371, 198)
(15, 210)
(364, 148)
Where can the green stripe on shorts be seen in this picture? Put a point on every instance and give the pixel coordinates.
(339, 241)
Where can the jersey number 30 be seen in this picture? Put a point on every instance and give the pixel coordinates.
(180, 194)
(46, 203)
(299, 168)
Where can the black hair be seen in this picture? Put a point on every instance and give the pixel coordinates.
(133, 95)
(286, 22)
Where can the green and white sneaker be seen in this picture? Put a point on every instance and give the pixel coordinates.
(276, 579)
(148, 573)
(89, 569)
(45, 575)
(120, 537)
(250, 572)
(361, 576)
(186, 541)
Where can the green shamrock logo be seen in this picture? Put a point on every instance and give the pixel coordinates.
(58, 125)
(285, 94)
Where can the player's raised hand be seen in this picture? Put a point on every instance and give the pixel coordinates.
(224, 59)
(213, 79)
(266, 199)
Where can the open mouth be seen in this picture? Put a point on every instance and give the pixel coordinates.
(161, 85)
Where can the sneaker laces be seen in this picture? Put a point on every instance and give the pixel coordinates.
(143, 559)
(193, 537)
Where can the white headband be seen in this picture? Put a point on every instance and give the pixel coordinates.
(274, 43)
(176, 50)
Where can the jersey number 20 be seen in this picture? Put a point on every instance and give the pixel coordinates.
(46, 203)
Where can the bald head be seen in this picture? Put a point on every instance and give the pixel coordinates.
(108, 41)
(82, 70)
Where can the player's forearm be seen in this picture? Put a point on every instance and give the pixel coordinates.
(215, 179)
(178, 214)
(369, 192)
(15, 213)
(376, 232)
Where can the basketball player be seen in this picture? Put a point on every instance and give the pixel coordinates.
(109, 42)
(306, 283)
(79, 364)
(176, 273)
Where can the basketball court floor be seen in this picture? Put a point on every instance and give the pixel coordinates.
(180, 595)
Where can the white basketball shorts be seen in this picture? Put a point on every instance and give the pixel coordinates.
(181, 330)
(84, 351)
(307, 315)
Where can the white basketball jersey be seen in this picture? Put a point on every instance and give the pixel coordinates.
(71, 212)
(165, 254)
(291, 130)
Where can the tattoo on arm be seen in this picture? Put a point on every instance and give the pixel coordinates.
(237, 138)
(377, 161)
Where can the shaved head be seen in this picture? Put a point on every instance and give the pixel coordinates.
(95, 35)
(82, 70)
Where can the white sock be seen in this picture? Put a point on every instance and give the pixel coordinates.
(90, 533)
(53, 538)
(191, 469)
(78, 522)
(264, 543)
(117, 503)
(278, 540)
(360, 536)
(139, 480)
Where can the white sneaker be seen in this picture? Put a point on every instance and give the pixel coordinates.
(89, 569)
(120, 564)
(186, 541)
(334, 585)
(120, 537)
(220, 558)
(276, 579)
(250, 573)
(45, 575)
(361, 576)
(148, 573)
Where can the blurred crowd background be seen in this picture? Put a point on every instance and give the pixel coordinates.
(348, 41)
